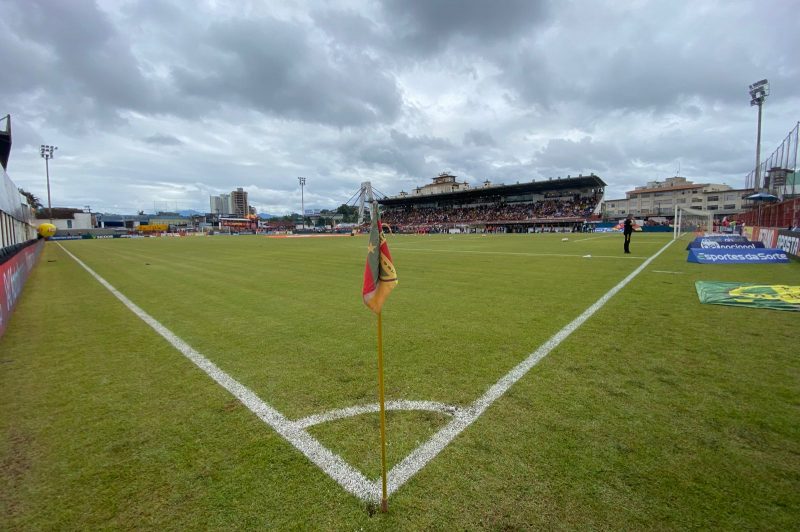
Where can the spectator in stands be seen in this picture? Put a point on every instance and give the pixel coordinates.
(627, 231)
(491, 212)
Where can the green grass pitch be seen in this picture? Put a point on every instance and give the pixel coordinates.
(657, 412)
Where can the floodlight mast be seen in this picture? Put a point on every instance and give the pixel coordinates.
(758, 93)
(302, 181)
(46, 151)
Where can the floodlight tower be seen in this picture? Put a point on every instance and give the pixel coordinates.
(46, 151)
(302, 181)
(758, 93)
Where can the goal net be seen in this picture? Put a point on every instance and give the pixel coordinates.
(692, 221)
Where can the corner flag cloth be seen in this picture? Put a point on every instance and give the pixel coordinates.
(380, 277)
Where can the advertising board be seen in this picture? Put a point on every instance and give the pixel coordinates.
(789, 241)
(14, 272)
(737, 256)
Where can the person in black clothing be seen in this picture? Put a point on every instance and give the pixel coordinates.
(628, 231)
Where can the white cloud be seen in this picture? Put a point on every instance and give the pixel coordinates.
(166, 102)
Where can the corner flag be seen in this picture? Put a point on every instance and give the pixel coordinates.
(380, 277)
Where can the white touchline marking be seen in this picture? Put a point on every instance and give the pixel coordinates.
(342, 413)
(348, 477)
(402, 472)
(666, 271)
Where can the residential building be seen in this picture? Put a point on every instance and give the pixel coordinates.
(221, 204)
(659, 198)
(65, 218)
(233, 204)
(240, 207)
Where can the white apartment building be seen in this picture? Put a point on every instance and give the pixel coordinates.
(659, 198)
(221, 204)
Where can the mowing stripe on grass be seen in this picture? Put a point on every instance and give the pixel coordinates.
(402, 472)
(593, 238)
(348, 477)
(520, 253)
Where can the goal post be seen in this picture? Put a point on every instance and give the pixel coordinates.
(692, 221)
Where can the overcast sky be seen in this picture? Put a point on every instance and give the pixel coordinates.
(157, 104)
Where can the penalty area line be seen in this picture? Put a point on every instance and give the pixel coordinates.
(419, 458)
(332, 464)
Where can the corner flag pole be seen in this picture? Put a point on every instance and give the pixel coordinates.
(384, 499)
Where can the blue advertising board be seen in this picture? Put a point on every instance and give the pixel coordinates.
(720, 239)
(703, 243)
(737, 256)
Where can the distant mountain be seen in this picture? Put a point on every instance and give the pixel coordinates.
(189, 212)
(265, 216)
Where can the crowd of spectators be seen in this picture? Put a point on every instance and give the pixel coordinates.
(490, 213)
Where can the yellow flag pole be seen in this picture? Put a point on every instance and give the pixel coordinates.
(384, 500)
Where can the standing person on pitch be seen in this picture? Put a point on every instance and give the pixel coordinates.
(627, 230)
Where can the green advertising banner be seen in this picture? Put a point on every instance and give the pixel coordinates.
(775, 296)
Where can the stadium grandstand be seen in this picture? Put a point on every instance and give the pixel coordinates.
(446, 205)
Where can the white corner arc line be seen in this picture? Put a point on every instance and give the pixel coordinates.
(402, 472)
(351, 411)
(332, 464)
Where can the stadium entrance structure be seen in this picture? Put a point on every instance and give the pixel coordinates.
(538, 206)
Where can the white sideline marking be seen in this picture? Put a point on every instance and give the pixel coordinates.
(666, 271)
(348, 477)
(402, 472)
(342, 413)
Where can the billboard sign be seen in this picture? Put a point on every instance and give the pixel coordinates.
(13, 274)
(705, 243)
(789, 241)
(719, 239)
(737, 256)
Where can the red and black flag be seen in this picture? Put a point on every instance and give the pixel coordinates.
(380, 277)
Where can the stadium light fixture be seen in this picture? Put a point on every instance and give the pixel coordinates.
(46, 151)
(302, 181)
(758, 93)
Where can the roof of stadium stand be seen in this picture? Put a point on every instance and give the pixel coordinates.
(547, 185)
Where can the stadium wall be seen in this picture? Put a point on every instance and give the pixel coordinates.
(14, 272)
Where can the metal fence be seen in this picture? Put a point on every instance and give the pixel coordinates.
(778, 172)
(781, 215)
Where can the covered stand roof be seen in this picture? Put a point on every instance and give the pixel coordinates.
(535, 187)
